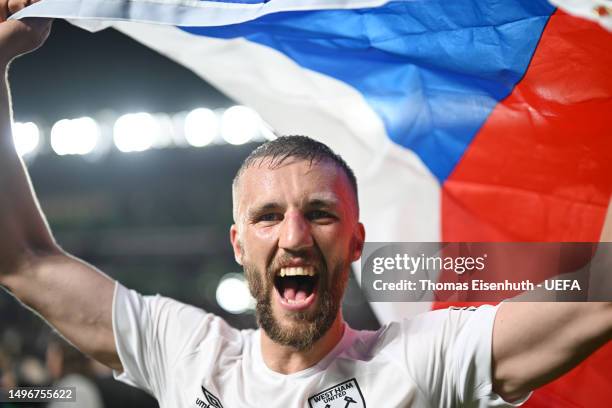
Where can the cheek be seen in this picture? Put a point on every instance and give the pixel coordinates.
(335, 246)
(265, 234)
(336, 239)
(257, 243)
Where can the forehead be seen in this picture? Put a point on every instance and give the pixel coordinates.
(293, 181)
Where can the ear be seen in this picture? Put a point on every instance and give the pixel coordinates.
(358, 241)
(234, 239)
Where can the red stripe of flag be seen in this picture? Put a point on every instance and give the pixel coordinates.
(540, 169)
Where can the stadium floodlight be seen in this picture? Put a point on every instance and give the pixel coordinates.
(136, 132)
(75, 136)
(239, 125)
(233, 294)
(165, 134)
(201, 127)
(26, 137)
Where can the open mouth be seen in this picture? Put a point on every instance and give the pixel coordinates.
(296, 285)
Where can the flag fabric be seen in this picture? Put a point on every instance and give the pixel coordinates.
(595, 10)
(464, 121)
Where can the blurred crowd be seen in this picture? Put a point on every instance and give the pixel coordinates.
(50, 361)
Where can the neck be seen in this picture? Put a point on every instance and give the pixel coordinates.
(288, 360)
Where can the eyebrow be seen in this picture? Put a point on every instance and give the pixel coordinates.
(253, 212)
(322, 203)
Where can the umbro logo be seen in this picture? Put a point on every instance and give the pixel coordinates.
(209, 401)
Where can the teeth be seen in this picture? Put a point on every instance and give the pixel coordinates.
(296, 301)
(297, 271)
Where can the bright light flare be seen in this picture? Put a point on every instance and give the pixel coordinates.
(136, 132)
(233, 294)
(26, 137)
(75, 136)
(201, 127)
(239, 125)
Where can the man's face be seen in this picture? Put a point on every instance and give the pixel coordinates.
(296, 233)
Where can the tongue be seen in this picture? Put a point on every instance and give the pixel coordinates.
(289, 289)
(293, 291)
(300, 295)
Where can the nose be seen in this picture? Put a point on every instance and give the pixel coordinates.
(295, 232)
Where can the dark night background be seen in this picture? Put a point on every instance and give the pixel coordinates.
(80, 73)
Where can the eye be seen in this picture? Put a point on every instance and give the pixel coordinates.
(269, 217)
(320, 215)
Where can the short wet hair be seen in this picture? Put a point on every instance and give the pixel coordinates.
(299, 147)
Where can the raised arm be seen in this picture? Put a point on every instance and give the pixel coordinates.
(71, 295)
(534, 343)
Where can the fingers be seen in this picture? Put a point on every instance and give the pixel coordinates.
(8, 7)
(3, 10)
(16, 5)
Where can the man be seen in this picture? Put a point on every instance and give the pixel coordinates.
(296, 230)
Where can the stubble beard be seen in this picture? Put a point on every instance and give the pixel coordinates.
(306, 327)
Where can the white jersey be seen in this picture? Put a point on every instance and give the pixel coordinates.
(188, 358)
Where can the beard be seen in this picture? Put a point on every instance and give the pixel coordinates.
(306, 327)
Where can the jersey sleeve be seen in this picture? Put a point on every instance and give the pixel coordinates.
(456, 368)
(153, 332)
(471, 355)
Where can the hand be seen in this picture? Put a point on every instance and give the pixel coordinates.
(20, 37)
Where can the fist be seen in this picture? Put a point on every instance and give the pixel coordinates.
(20, 37)
(8, 7)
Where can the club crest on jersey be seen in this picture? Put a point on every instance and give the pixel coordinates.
(209, 401)
(344, 395)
